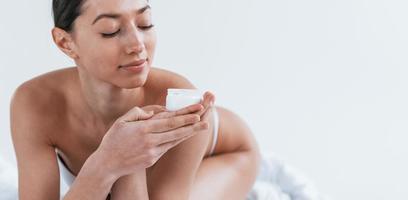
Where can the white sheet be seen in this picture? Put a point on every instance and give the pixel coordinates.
(279, 181)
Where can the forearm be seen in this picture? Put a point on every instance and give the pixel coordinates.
(92, 182)
(132, 186)
(226, 176)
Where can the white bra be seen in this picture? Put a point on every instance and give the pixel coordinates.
(69, 177)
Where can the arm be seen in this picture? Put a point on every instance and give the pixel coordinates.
(130, 154)
(36, 158)
(92, 181)
(130, 186)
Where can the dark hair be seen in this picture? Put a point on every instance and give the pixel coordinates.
(65, 12)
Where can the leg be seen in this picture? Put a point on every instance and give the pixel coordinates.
(227, 176)
(231, 173)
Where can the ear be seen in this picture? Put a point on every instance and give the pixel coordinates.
(64, 41)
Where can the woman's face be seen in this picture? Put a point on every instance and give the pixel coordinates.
(111, 34)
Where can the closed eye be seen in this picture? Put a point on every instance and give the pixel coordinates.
(109, 35)
(146, 27)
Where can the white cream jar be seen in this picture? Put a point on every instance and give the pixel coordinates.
(180, 98)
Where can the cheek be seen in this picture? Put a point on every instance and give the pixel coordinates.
(99, 57)
(100, 52)
(105, 48)
(150, 44)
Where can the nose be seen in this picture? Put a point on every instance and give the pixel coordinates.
(134, 44)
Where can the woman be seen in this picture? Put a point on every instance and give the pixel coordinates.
(106, 120)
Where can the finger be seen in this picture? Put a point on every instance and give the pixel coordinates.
(187, 110)
(155, 108)
(135, 114)
(167, 124)
(207, 113)
(202, 112)
(207, 101)
(178, 141)
(179, 134)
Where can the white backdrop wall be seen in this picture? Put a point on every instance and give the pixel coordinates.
(321, 83)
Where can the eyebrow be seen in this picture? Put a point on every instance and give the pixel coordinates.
(115, 16)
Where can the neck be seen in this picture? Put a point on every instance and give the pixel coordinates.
(107, 102)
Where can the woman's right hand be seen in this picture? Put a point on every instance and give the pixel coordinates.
(137, 140)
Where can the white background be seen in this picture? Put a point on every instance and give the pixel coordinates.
(322, 83)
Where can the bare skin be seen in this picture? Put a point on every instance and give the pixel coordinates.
(73, 109)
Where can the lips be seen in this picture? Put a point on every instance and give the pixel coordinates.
(134, 63)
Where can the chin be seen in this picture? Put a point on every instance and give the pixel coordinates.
(132, 85)
(132, 82)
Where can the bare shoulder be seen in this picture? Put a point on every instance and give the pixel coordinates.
(38, 102)
(43, 92)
